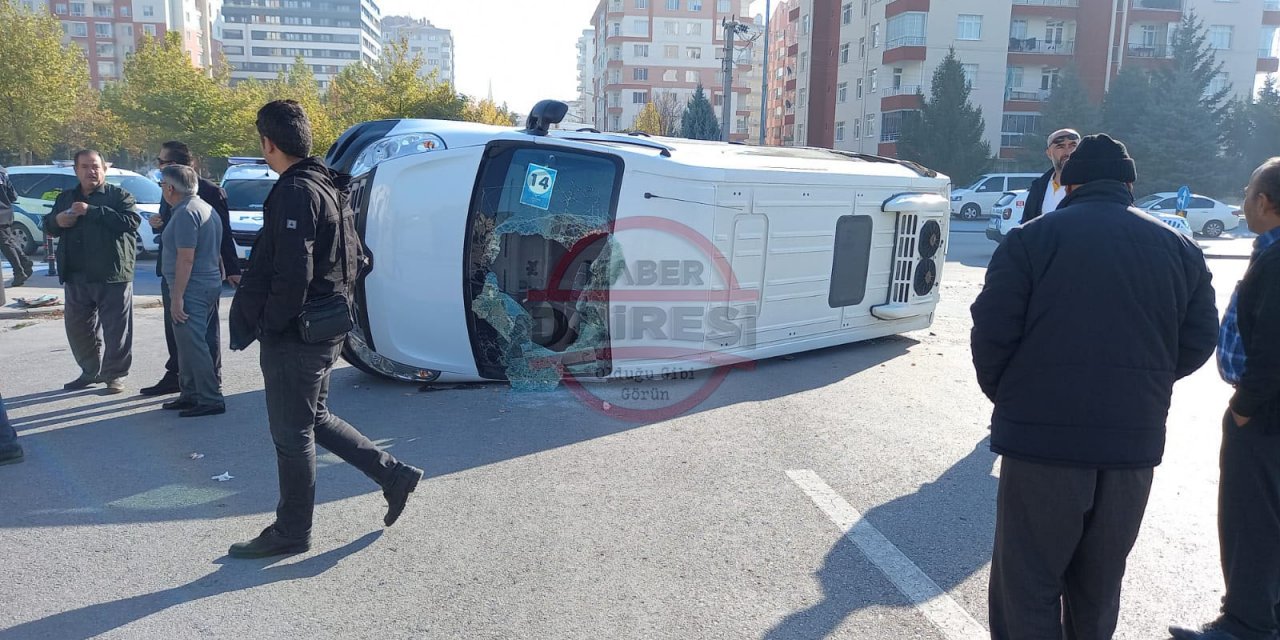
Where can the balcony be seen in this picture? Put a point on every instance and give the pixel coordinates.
(1048, 3)
(904, 90)
(1155, 50)
(1044, 47)
(1271, 5)
(905, 41)
(1166, 5)
(1026, 95)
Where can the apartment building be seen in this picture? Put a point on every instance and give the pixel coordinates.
(1012, 52)
(435, 44)
(645, 49)
(583, 111)
(109, 30)
(260, 38)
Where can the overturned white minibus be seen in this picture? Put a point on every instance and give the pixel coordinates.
(529, 255)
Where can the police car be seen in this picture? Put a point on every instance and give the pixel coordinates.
(1006, 216)
(247, 183)
(39, 185)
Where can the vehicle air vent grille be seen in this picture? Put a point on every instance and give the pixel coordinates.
(904, 258)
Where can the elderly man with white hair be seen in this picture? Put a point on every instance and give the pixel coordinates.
(192, 265)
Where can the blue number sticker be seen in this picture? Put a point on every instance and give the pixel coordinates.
(539, 184)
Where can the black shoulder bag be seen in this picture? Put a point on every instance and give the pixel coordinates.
(328, 317)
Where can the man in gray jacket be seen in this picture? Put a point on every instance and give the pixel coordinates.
(191, 264)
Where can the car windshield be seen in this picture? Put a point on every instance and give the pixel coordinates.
(1148, 201)
(247, 195)
(143, 190)
(976, 183)
(1005, 200)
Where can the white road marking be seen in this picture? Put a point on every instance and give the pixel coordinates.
(951, 619)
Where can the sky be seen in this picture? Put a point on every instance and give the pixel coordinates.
(527, 48)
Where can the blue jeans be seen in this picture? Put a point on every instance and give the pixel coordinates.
(8, 437)
(197, 372)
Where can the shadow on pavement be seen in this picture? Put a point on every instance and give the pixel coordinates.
(946, 528)
(106, 463)
(232, 575)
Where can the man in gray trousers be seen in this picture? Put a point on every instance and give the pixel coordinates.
(97, 228)
(192, 265)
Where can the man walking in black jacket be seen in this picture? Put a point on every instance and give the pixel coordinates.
(1047, 192)
(1088, 316)
(307, 251)
(10, 245)
(177, 153)
(1249, 485)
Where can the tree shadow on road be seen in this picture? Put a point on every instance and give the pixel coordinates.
(946, 528)
(232, 575)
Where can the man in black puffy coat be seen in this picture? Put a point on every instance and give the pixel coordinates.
(1089, 315)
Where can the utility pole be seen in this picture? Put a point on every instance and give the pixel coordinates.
(764, 86)
(731, 29)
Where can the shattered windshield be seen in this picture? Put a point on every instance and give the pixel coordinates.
(541, 260)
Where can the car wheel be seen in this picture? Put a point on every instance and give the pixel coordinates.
(1213, 228)
(28, 243)
(970, 211)
(350, 356)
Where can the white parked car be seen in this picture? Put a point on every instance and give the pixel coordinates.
(247, 183)
(39, 185)
(1007, 215)
(977, 199)
(1205, 216)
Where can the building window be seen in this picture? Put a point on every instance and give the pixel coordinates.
(842, 92)
(891, 126)
(60, 9)
(615, 122)
(839, 132)
(875, 36)
(906, 30)
(862, 48)
(1014, 126)
(149, 29)
(871, 80)
(870, 128)
(106, 69)
(673, 5)
(723, 6)
(897, 77)
(846, 14)
(693, 53)
(103, 11)
(1018, 30)
(695, 5)
(1013, 78)
(1220, 83)
(640, 27)
(615, 29)
(1266, 43)
(148, 11)
(102, 29)
(971, 73)
(77, 8)
(804, 23)
(857, 129)
(693, 28)
(77, 29)
(672, 28)
(615, 99)
(691, 76)
(670, 51)
(642, 4)
(1048, 79)
(804, 98)
(857, 89)
(800, 137)
(804, 61)
(128, 31)
(232, 34)
(1219, 36)
(640, 73)
(640, 50)
(969, 27)
(844, 53)
(670, 75)
(615, 76)
(639, 97)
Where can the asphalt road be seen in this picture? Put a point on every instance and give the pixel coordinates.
(542, 518)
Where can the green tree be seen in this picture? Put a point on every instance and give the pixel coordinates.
(392, 89)
(1249, 132)
(165, 96)
(948, 133)
(648, 120)
(1127, 104)
(699, 120)
(1177, 142)
(44, 83)
(488, 112)
(1068, 107)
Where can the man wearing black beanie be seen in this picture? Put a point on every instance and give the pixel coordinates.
(1088, 316)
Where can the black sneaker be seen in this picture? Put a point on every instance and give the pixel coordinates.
(269, 543)
(402, 484)
(11, 456)
(203, 410)
(82, 382)
(167, 385)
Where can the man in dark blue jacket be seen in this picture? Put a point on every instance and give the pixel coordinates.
(1089, 315)
(1249, 485)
